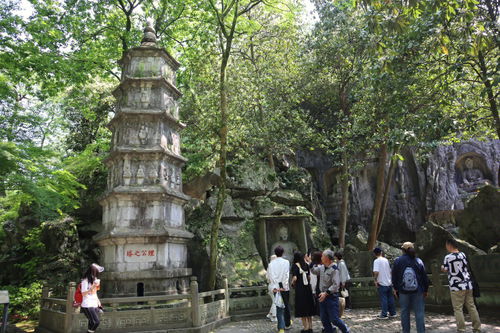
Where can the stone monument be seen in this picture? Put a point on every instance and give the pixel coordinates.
(144, 241)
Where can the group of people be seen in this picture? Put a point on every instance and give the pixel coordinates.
(408, 282)
(321, 282)
(318, 278)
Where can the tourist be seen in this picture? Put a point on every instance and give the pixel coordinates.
(90, 303)
(329, 284)
(460, 282)
(279, 274)
(315, 259)
(383, 282)
(410, 286)
(272, 311)
(304, 303)
(344, 280)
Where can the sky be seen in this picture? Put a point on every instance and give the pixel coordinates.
(308, 17)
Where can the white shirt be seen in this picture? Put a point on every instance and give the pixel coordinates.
(344, 272)
(381, 265)
(90, 300)
(279, 271)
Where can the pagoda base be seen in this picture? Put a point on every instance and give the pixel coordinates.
(145, 283)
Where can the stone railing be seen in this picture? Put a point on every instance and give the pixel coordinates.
(202, 311)
(249, 301)
(192, 312)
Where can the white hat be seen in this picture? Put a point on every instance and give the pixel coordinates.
(99, 268)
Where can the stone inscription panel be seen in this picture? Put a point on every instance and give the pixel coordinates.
(140, 253)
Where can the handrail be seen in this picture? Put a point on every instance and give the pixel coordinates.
(247, 288)
(58, 301)
(145, 298)
(212, 293)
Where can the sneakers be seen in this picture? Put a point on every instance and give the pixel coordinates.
(393, 315)
(382, 317)
(281, 331)
(289, 327)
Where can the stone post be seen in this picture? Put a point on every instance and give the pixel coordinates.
(45, 291)
(69, 308)
(227, 295)
(195, 302)
(4, 299)
(437, 286)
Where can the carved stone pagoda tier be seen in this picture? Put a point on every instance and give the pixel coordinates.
(144, 241)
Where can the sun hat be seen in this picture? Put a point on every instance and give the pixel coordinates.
(407, 245)
(99, 268)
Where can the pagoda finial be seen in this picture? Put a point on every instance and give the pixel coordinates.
(149, 38)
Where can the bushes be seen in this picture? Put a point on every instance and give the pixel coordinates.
(24, 301)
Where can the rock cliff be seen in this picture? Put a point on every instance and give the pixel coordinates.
(437, 185)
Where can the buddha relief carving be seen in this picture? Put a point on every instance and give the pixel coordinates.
(164, 174)
(140, 176)
(145, 96)
(127, 172)
(472, 177)
(166, 141)
(169, 102)
(143, 135)
(171, 180)
(289, 246)
(153, 175)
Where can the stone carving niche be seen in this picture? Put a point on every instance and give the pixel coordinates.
(472, 172)
(288, 231)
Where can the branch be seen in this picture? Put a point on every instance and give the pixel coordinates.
(219, 19)
(249, 7)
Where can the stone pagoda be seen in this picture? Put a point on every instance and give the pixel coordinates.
(144, 241)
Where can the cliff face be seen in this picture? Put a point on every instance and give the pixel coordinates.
(436, 185)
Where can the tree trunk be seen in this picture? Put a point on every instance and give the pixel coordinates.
(221, 196)
(372, 238)
(489, 91)
(387, 193)
(345, 200)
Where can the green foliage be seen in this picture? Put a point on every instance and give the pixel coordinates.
(24, 301)
(32, 182)
(363, 74)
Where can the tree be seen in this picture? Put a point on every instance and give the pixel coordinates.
(227, 16)
(339, 53)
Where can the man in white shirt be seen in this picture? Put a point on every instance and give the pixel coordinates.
(279, 274)
(383, 281)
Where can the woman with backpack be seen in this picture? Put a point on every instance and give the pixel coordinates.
(410, 287)
(90, 304)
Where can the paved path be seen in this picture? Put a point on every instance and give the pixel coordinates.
(364, 321)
